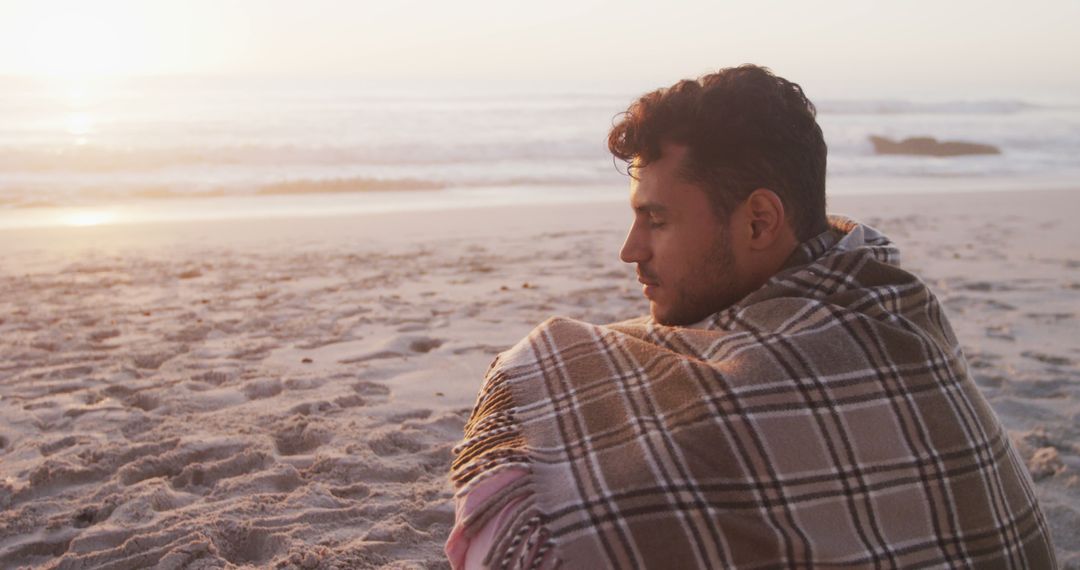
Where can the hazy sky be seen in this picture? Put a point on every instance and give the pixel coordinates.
(969, 49)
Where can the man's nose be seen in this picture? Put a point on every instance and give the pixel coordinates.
(635, 249)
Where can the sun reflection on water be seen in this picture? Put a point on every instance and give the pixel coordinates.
(88, 218)
(80, 123)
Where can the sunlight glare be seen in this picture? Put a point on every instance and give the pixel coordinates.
(80, 123)
(89, 218)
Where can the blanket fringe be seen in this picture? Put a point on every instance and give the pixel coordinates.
(494, 442)
(492, 436)
(525, 542)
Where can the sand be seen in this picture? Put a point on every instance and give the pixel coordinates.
(285, 393)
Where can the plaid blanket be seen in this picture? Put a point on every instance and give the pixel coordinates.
(826, 420)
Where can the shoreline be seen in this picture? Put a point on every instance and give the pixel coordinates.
(177, 208)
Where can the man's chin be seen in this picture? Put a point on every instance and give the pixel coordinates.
(672, 318)
(661, 315)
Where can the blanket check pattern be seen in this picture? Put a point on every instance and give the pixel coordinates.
(827, 420)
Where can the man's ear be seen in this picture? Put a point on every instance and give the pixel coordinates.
(768, 223)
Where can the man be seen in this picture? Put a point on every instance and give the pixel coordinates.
(794, 399)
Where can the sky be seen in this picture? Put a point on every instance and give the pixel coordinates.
(917, 48)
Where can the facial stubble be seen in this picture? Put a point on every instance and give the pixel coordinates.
(705, 290)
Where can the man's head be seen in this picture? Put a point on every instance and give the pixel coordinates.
(728, 176)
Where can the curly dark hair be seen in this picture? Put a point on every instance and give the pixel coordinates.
(745, 128)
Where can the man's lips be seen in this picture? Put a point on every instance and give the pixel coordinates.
(648, 286)
(646, 280)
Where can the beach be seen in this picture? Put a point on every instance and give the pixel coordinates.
(285, 392)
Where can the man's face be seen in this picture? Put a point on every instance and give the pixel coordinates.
(684, 255)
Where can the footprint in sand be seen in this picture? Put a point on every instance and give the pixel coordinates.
(305, 383)
(1050, 359)
(485, 348)
(53, 475)
(299, 435)
(424, 519)
(961, 303)
(195, 333)
(399, 347)
(989, 380)
(370, 389)
(421, 414)
(355, 491)
(395, 443)
(262, 388)
(350, 401)
(383, 535)
(70, 372)
(93, 514)
(52, 447)
(118, 391)
(277, 478)
(1049, 318)
(1056, 388)
(172, 463)
(242, 544)
(151, 360)
(143, 401)
(1002, 332)
(215, 377)
(105, 334)
(30, 553)
(982, 360)
(313, 408)
(208, 474)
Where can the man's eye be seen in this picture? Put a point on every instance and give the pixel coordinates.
(656, 224)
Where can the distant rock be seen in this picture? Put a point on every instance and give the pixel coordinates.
(928, 146)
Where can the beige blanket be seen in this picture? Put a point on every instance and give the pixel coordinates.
(826, 420)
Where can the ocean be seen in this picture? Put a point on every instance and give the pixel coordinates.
(168, 149)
